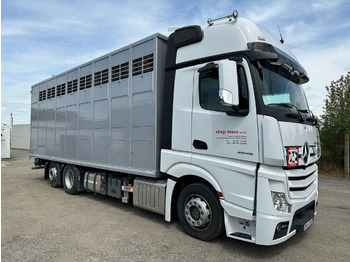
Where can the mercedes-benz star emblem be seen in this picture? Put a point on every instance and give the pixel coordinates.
(306, 153)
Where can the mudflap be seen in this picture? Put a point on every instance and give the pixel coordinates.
(80, 185)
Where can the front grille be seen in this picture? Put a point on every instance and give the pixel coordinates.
(302, 181)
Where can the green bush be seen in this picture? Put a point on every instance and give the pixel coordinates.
(335, 122)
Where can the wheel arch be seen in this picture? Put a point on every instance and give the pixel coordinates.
(186, 174)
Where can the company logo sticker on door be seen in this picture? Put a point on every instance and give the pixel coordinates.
(232, 137)
(292, 156)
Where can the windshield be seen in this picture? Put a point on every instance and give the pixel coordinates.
(277, 87)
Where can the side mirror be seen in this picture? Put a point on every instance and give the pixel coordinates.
(228, 83)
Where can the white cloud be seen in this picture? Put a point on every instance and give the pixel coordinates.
(50, 37)
(300, 34)
(42, 38)
(265, 13)
(325, 5)
(323, 66)
(21, 112)
(25, 27)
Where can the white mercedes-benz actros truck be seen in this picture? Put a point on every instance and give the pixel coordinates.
(210, 124)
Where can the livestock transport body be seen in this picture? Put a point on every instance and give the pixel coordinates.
(210, 124)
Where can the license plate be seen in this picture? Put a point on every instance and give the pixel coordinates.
(308, 224)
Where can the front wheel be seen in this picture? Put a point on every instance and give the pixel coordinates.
(70, 179)
(200, 212)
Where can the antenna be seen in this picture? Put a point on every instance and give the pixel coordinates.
(282, 41)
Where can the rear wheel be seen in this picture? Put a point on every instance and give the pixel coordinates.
(200, 212)
(54, 173)
(70, 179)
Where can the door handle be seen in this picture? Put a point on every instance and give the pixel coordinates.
(200, 145)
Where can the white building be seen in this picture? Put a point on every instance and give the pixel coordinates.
(20, 138)
(5, 141)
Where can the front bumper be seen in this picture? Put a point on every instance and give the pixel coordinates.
(268, 226)
(304, 204)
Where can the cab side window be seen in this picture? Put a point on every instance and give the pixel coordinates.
(209, 91)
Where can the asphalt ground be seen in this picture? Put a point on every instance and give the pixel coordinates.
(41, 223)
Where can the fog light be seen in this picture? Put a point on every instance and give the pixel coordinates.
(280, 203)
(281, 230)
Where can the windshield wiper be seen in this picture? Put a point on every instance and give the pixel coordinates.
(312, 119)
(289, 105)
(303, 111)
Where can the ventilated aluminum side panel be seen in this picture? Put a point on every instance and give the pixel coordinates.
(34, 121)
(143, 112)
(120, 131)
(85, 132)
(51, 102)
(60, 132)
(101, 89)
(34, 129)
(50, 141)
(42, 122)
(143, 127)
(42, 132)
(120, 87)
(112, 125)
(101, 132)
(85, 94)
(72, 98)
(72, 132)
(61, 100)
(50, 118)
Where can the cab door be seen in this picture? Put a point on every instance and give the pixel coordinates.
(225, 138)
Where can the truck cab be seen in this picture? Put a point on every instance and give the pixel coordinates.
(257, 146)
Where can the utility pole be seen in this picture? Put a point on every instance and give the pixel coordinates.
(346, 156)
(11, 128)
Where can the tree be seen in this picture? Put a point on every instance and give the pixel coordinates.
(335, 121)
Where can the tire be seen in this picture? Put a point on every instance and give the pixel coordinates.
(54, 173)
(70, 179)
(199, 212)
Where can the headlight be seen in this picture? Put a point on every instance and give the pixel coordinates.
(280, 203)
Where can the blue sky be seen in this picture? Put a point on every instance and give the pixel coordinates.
(41, 38)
